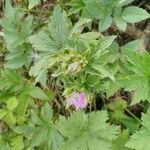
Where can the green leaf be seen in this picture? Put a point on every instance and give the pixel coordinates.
(124, 2)
(138, 80)
(39, 70)
(2, 113)
(134, 14)
(117, 107)
(131, 124)
(38, 93)
(9, 118)
(103, 72)
(12, 103)
(117, 115)
(26, 27)
(133, 45)
(17, 143)
(45, 130)
(120, 23)
(23, 100)
(89, 36)
(42, 42)
(120, 141)
(10, 80)
(9, 11)
(103, 44)
(78, 27)
(118, 20)
(140, 139)
(104, 23)
(112, 89)
(76, 6)
(46, 112)
(90, 131)
(58, 27)
(33, 3)
(16, 62)
(138, 84)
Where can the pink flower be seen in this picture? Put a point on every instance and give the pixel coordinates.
(78, 100)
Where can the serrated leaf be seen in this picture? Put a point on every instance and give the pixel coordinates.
(117, 106)
(9, 118)
(120, 141)
(43, 43)
(138, 81)
(140, 139)
(58, 27)
(90, 130)
(38, 93)
(45, 130)
(103, 72)
(78, 27)
(2, 113)
(17, 143)
(10, 80)
(104, 43)
(134, 14)
(23, 100)
(12, 103)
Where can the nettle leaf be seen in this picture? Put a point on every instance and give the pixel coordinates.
(90, 131)
(134, 14)
(140, 139)
(139, 80)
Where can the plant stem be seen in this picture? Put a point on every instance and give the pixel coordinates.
(134, 116)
